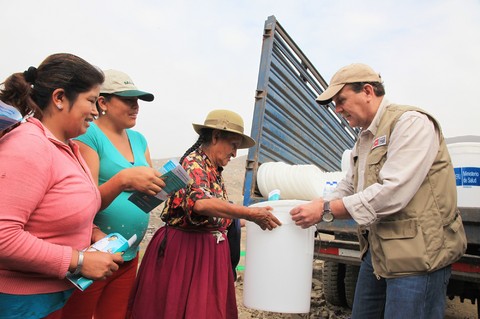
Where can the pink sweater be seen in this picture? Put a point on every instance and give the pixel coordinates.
(48, 200)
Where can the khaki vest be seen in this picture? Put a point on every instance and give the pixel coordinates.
(428, 233)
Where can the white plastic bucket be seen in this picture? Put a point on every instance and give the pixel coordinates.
(278, 263)
(466, 163)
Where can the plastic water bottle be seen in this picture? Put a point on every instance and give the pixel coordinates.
(274, 195)
(334, 185)
(327, 189)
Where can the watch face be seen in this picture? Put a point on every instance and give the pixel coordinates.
(327, 217)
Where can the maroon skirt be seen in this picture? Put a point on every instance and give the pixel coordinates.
(192, 278)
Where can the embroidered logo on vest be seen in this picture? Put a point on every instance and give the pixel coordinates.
(379, 141)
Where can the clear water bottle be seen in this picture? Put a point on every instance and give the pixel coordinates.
(334, 185)
(274, 195)
(327, 189)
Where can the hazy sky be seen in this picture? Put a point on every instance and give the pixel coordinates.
(196, 56)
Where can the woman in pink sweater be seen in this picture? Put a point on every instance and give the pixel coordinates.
(49, 198)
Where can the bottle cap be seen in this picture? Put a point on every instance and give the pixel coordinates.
(274, 194)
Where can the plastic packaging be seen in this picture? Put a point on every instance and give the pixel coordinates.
(113, 243)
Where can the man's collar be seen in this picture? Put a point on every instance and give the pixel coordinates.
(378, 115)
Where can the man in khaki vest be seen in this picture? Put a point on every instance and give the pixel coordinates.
(400, 189)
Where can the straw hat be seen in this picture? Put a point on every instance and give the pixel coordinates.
(225, 120)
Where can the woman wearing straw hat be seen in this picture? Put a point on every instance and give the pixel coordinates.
(186, 271)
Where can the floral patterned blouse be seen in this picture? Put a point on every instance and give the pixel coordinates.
(207, 182)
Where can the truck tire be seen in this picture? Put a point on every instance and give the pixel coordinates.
(351, 275)
(333, 283)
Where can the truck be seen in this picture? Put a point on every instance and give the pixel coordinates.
(290, 127)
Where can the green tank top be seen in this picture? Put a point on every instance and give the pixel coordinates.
(121, 216)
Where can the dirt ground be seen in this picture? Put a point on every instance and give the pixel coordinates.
(319, 309)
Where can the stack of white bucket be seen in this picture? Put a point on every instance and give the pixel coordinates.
(465, 154)
(304, 182)
(278, 263)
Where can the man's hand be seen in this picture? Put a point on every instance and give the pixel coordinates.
(308, 214)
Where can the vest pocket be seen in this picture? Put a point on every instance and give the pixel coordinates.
(455, 239)
(375, 161)
(403, 246)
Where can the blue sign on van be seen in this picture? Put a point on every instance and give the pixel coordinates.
(467, 176)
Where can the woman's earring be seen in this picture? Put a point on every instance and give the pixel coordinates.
(103, 112)
(59, 106)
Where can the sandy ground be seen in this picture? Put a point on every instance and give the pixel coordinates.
(320, 309)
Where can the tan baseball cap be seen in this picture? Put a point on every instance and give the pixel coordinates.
(356, 72)
(226, 120)
(119, 83)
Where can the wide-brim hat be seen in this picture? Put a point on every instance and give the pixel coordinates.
(119, 83)
(226, 120)
(353, 73)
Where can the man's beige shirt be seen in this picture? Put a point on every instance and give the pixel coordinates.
(412, 149)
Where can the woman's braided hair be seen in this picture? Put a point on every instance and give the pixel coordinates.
(204, 138)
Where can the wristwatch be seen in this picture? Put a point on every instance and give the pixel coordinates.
(327, 215)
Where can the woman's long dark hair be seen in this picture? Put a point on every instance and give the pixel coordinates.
(30, 91)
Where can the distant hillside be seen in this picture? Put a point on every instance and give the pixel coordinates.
(233, 174)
